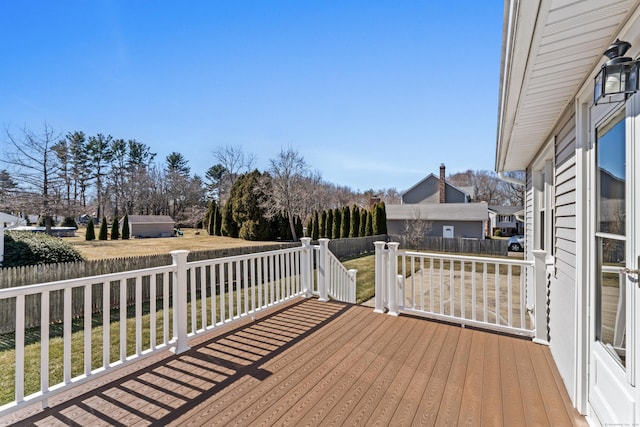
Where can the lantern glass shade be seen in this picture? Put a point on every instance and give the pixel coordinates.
(616, 80)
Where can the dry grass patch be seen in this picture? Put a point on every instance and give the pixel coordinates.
(102, 249)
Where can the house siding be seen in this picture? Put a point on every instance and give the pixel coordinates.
(562, 292)
(463, 229)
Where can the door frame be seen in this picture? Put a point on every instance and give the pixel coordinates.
(605, 376)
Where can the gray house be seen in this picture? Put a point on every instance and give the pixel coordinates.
(461, 220)
(150, 225)
(434, 189)
(435, 208)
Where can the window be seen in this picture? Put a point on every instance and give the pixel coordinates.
(611, 236)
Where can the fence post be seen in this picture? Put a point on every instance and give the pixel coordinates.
(379, 277)
(391, 279)
(305, 266)
(352, 282)
(180, 301)
(323, 268)
(540, 310)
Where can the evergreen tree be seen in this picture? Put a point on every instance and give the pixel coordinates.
(309, 226)
(355, 222)
(103, 233)
(211, 218)
(370, 223)
(323, 224)
(246, 198)
(337, 223)
(383, 216)
(229, 226)
(298, 227)
(315, 234)
(345, 227)
(329, 229)
(363, 223)
(218, 223)
(115, 229)
(379, 219)
(126, 231)
(91, 232)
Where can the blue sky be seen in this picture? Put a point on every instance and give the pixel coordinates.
(373, 94)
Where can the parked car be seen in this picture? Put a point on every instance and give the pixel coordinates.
(516, 243)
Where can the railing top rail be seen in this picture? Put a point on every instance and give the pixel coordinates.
(520, 262)
(243, 257)
(81, 281)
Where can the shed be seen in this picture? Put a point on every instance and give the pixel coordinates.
(151, 225)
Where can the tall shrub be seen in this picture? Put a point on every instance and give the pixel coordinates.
(309, 226)
(329, 230)
(115, 229)
(102, 234)
(91, 232)
(370, 223)
(363, 222)
(322, 225)
(315, 233)
(345, 227)
(126, 231)
(298, 227)
(337, 223)
(355, 222)
(229, 226)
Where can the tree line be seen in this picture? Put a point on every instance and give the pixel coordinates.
(65, 176)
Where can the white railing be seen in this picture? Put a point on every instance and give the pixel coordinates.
(332, 278)
(161, 307)
(489, 293)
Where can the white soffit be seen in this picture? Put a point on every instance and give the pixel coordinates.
(549, 48)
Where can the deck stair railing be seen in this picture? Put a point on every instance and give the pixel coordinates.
(499, 294)
(188, 299)
(334, 280)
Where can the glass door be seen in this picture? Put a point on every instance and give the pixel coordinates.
(612, 391)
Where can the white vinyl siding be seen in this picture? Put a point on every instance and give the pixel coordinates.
(562, 313)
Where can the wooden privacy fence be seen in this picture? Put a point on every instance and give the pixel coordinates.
(31, 274)
(458, 245)
(354, 246)
(45, 273)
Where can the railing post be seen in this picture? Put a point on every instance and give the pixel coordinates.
(305, 266)
(352, 282)
(180, 301)
(391, 280)
(324, 270)
(379, 277)
(540, 311)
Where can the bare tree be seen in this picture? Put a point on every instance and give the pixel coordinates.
(33, 162)
(416, 229)
(284, 186)
(232, 161)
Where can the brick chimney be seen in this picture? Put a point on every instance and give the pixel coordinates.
(441, 188)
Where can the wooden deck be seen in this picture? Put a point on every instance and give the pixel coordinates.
(315, 363)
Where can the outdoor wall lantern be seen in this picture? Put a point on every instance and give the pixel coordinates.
(618, 77)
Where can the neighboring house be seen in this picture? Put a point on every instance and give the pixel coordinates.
(582, 189)
(433, 189)
(507, 219)
(7, 222)
(464, 220)
(435, 208)
(150, 225)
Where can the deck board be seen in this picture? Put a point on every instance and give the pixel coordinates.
(315, 363)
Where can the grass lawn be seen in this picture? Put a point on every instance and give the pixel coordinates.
(365, 278)
(101, 249)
